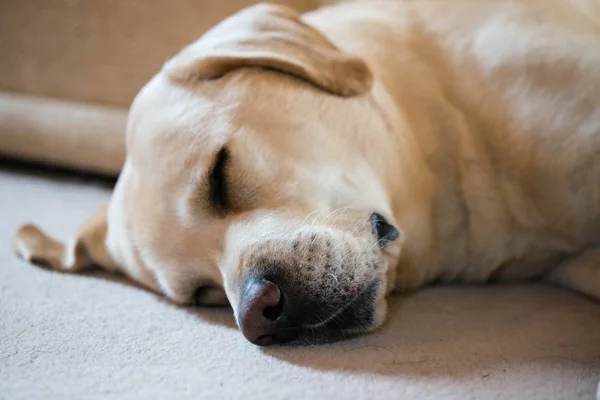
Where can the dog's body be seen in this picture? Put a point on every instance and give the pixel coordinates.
(472, 126)
(500, 104)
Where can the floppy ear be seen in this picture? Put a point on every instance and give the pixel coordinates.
(87, 250)
(274, 37)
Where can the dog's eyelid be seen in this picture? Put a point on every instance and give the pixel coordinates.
(217, 180)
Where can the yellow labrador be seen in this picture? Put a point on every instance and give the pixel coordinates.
(302, 167)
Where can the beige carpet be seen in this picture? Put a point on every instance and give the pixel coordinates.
(81, 337)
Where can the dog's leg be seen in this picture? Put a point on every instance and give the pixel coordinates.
(581, 273)
(85, 251)
(88, 249)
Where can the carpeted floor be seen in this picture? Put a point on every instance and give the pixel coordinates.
(86, 337)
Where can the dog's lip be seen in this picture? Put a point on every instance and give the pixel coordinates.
(322, 332)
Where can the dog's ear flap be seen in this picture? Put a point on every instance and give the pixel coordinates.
(274, 37)
(87, 250)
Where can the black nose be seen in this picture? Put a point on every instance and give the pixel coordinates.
(274, 310)
(261, 304)
(383, 230)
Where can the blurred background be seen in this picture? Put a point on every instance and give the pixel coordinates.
(69, 70)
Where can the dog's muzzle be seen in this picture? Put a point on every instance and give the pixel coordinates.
(273, 310)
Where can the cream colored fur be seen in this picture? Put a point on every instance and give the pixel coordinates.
(473, 126)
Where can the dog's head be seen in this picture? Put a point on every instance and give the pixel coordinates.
(254, 177)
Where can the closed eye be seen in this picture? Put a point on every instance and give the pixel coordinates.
(218, 195)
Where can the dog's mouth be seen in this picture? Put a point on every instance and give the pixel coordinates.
(293, 321)
(354, 318)
(315, 285)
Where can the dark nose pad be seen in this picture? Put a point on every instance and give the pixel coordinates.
(261, 304)
(383, 230)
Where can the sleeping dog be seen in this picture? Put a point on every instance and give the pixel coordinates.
(303, 167)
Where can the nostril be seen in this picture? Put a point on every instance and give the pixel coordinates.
(382, 229)
(274, 312)
(269, 295)
(265, 340)
(261, 304)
